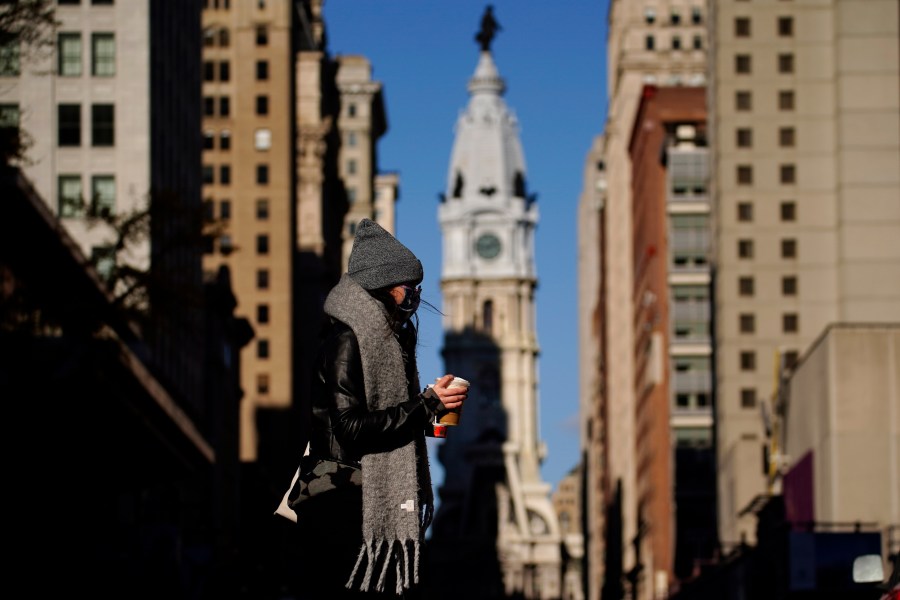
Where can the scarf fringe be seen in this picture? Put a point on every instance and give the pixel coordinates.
(396, 553)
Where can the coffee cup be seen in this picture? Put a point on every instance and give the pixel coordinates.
(451, 416)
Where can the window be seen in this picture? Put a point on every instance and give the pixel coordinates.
(9, 59)
(262, 35)
(104, 260)
(744, 137)
(745, 212)
(224, 71)
(209, 106)
(676, 42)
(788, 174)
(788, 211)
(748, 360)
(675, 17)
(262, 139)
(696, 15)
(262, 105)
(226, 246)
(225, 174)
(262, 174)
(209, 140)
(785, 26)
(650, 15)
(351, 167)
(748, 398)
(262, 348)
(69, 199)
(747, 322)
(698, 42)
(786, 100)
(788, 248)
(224, 106)
(225, 140)
(745, 286)
(262, 210)
(785, 63)
(742, 27)
(209, 174)
(103, 195)
(103, 2)
(742, 64)
(351, 110)
(649, 42)
(69, 123)
(69, 57)
(225, 210)
(790, 322)
(209, 70)
(786, 137)
(262, 279)
(790, 358)
(209, 210)
(262, 313)
(744, 175)
(224, 38)
(743, 100)
(9, 121)
(351, 138)
(209, 37)
(745, 248)
(103, 54)
(789, 285)
(262, 384)
(487, 316)
(262, 244)
(262, 70)
(351, 195)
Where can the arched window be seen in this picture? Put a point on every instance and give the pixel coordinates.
(487, 316)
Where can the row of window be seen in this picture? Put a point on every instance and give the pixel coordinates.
(221, 106)
(209, 209)
(787, 211)
(747, 285)
(787, 137)
(743, 100)
(674, 16)
(787, 174)
(784, 27)
(743, 63)
(262, 139)
(745, 248)
(221, 70)
(94, 2)
(747, 359)
(70, 55)
(221, 37)
(674, 42)
(790, 323)
(71, 201)
(103, 125)
(209, 174)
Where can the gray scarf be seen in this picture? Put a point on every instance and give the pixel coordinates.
(397, 501)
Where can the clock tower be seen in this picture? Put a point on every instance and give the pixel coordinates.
(495, 520)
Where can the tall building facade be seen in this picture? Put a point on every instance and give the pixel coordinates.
(662, 43)
(805, 122)
(111, 110)
(495, 518)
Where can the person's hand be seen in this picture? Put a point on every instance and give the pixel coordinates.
(450, 397)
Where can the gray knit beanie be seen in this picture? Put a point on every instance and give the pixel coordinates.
(378, 260)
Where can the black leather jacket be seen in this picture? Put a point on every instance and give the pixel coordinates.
(343, 427)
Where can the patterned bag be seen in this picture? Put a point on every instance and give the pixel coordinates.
(321, 476)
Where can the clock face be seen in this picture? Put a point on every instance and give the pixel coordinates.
(488, 246)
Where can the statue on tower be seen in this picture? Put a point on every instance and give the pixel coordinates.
(489, 28)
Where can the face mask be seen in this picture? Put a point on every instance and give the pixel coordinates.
(411, 299)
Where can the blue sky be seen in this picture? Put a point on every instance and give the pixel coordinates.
(552, 56)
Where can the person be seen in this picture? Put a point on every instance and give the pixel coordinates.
(368, 410)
